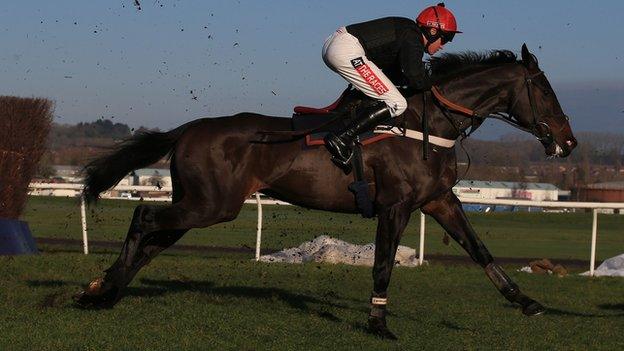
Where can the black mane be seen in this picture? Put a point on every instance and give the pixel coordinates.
(450, 64)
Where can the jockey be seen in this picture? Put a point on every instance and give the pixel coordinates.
(366, 53)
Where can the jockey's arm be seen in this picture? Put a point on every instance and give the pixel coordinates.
(410, 59)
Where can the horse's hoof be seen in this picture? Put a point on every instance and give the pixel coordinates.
(89, 302)
(95, 287)
(533, 308)
(96, 296)
(377, 326)
(82, 300)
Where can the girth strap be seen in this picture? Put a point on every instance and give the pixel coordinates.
(414, 134)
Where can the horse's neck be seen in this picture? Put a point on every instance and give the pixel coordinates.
(485, 91)
(477, 91)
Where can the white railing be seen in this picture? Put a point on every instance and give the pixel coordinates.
(595, 206)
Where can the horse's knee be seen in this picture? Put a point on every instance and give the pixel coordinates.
(475, 249)
(483, 256)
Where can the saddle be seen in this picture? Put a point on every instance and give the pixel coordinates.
(333, 118)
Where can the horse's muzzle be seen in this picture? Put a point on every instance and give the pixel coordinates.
(567, 146)
(563, 149)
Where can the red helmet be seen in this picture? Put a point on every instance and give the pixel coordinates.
(438, 17)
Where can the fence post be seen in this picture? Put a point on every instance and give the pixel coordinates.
(421, 249)
(592, 260)
(259, 231)
(83, 220)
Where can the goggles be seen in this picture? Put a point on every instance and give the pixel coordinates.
(447, 37)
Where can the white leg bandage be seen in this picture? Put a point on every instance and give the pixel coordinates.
(379, 300)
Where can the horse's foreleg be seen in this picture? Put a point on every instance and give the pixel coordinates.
(448, 212)
(390, 227)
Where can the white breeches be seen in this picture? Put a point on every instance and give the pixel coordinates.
(344, 54)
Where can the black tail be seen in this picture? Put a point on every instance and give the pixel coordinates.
(141, 150)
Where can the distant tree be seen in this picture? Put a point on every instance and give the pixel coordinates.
(102, 128)
(24, 127)
(45, 168)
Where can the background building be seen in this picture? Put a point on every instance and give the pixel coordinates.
(507, 190)
(69, 174)
(160, 177)
(602, 192)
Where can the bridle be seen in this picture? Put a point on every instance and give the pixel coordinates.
(539, 128)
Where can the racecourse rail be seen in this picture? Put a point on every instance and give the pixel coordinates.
(595, 206)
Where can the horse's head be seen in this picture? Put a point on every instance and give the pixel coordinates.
(536, 108)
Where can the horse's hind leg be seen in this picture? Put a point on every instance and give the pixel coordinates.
(138, 249)
(153, 229)
(448, 212)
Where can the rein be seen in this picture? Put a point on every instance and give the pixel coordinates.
(472, 114)
(451, 105)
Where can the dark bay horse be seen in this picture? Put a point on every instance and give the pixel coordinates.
(215, 167)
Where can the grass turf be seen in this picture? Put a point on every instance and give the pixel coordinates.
(551, 235)
(215, 301)
(193, 302)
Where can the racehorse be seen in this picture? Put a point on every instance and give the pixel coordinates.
(215, 166)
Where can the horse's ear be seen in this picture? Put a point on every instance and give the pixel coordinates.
(528, 59)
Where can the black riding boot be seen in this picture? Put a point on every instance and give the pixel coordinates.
(341, 146)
